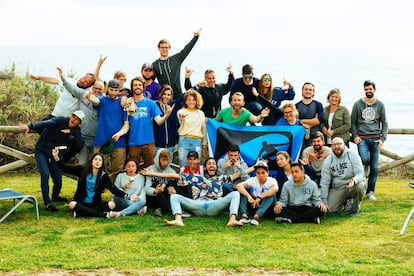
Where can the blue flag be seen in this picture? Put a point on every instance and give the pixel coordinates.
(255, 142)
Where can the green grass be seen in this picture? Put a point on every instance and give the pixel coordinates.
(367, 244)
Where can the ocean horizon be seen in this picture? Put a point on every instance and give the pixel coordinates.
(345, 69)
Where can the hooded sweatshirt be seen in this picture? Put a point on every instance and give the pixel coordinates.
(299, 195)
(156, 168)
(167, 71)
(337, 171)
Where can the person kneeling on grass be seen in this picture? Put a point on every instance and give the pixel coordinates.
(133, 184)
(259, 191)
(299, 201)
(207, 197)
(92, 182)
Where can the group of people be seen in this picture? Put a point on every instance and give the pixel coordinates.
(126, 139)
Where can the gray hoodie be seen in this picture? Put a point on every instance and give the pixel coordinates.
(298, 195)
(156, 168)
(337, 171)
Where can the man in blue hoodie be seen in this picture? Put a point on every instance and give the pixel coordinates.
(167, 69)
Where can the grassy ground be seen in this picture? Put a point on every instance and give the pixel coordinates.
(368, 243)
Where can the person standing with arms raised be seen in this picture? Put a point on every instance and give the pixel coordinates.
(167, 69)
(369, 128)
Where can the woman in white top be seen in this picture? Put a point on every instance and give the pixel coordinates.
(192, 129)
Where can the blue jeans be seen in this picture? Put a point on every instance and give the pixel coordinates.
(265, 204)
(370, 155)
(185, 145)
(46, 166)
(205, 207)
(254, 107)
(128, 207)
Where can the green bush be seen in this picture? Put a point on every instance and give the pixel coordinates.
(23, 101)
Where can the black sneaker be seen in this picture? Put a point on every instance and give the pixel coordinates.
(411, 185)
(317, 220)
(51, 208)
(59, 199)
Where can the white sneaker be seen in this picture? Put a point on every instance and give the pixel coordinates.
(245, 220)
(254, 222)
(143, 210)
(113, 214)
(371, 196)
(185, 214)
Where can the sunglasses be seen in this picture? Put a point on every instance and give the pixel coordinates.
(267, 79)
(247, 77)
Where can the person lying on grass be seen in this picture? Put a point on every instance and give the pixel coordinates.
(207, 199)
(92, 182)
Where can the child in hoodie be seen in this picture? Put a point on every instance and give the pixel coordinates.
(300, 200)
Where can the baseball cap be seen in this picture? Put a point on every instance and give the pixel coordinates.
(113, 84)
(192, 154)
(146, 66)
(261, 164)
(80, 115)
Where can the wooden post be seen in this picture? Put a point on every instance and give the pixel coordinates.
(393, 164)
(395, 157)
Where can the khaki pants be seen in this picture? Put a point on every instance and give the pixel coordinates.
(337, 197)
(115, 159)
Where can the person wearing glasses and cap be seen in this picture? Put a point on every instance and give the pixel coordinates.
(62, 132)
(259, 191)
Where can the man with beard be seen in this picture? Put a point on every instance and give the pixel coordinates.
(310, 111)
(141, 141)
(237, 114)
(211, 91)
(342, 178)
(152, 88)
(369, 128)
(314, 156)
(66, 103)
(207, 198)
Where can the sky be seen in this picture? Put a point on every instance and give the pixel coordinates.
(229, 24)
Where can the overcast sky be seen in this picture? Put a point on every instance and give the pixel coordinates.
(224, 23)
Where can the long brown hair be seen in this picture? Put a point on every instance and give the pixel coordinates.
(269, 94)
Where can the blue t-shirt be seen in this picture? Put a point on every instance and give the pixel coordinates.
(140, 123)
(111, 117)
(90, 188)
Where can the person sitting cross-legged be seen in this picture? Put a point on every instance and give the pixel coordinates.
(299, 201)
(207, 197)
(259, 192)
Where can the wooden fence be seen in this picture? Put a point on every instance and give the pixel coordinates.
(26, 159)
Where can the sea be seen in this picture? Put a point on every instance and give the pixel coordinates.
(391, 69)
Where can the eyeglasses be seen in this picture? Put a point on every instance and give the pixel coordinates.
(267, 79)
(97, 88)
(164, 47)
(247, 77)
(336, 145)
(288, 112)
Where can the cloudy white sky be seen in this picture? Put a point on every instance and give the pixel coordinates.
(224, 23)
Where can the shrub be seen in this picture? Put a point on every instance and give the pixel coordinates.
(23, 101)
